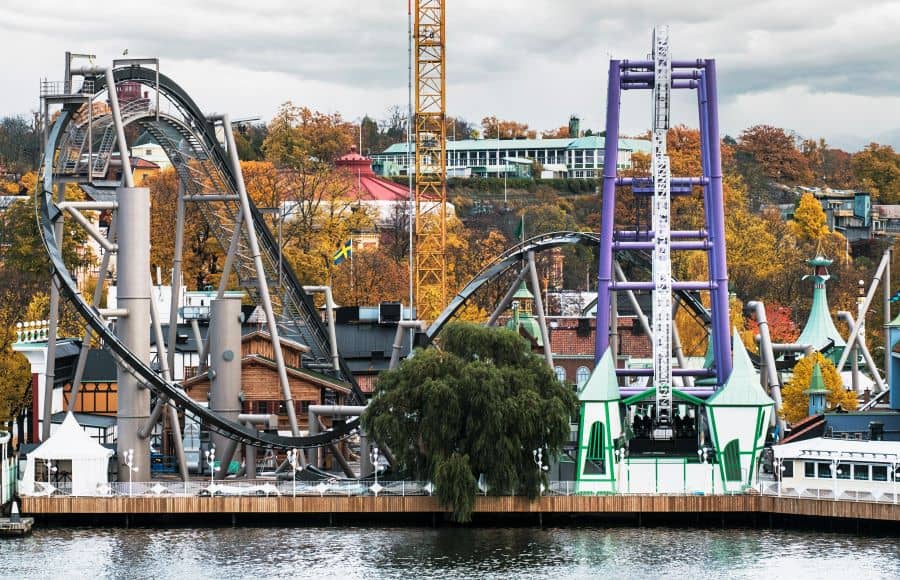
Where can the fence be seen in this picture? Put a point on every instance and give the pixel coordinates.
(890, 494)
(8, 478)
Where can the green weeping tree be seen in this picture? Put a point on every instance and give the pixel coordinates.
(478, 406)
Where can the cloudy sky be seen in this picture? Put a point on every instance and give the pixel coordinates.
(823, 68)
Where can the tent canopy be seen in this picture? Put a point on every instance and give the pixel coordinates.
(70, 441)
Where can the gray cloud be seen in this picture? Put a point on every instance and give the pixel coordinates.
(535, 60)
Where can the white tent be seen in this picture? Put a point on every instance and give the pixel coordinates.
(70, 444)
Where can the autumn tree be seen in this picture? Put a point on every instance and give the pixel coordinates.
(796, 403)
(877, 168)
(306, 140)
(775, 152)
(558, 133)
(493, 128)
(809, 221)
(477, 406)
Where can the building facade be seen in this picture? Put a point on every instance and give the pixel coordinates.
(573, 158)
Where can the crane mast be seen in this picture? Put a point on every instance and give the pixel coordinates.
(430, 160)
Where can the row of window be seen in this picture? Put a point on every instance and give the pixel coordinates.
(581, 375)
(827, 470)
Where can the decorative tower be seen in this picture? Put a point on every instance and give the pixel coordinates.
(816, 391)
(523, 320)
(599, 429)
(739, 416)
(819, 329)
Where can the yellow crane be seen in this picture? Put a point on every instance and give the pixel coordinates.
(431, 160)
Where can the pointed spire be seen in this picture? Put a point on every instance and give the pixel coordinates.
(819, 328)
(742, 387)
(816, 382)
(602, 385)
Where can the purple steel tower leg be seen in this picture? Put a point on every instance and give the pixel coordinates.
(716, 224)
(704, 81)
(608, 208)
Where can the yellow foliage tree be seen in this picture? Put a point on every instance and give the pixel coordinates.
(796, 402)
(809, 219)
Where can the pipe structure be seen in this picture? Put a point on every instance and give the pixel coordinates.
(167, 374)
(329, 315)
(504, 303)
(676, 285)
(88, 334)
(398, 339)
(608, 208)
(867, 356)
(645, 65)
(133, 296)
(676, 181)
(649, 234)
(315, 411)
(768, 356)
(887, 316)
(784, 347)
(178, 252)
(225, 364)
(854, 329)
(50, 368)
(675, 372)
(716, 257)
(648, 245)
(539, 306)
(696, 392)
(262, 285)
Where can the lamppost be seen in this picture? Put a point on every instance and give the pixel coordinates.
(129, 461)
(292, 459)
(210, 455)
(834, 468)
(538, 455)
(50, 469)
(779, 469)
(376, 455)
(703, 456)
(621, 457)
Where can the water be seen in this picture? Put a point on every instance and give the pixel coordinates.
(446, 553)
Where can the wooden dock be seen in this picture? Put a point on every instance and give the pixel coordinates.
(558, 505)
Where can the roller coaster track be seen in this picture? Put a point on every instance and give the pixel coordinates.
(537, 244)
(203, 166)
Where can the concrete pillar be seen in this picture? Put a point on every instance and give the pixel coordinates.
(225, 368)
(134, 329)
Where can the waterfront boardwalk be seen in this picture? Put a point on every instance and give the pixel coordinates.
(557, 505)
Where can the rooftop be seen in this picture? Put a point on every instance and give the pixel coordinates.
(591, 142)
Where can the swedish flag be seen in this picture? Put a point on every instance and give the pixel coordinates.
(344, 252)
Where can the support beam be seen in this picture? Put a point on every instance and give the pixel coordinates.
(225, 362)
(768, 357)
(539, 306)
(504, 303)
(398, 339)
(867, 356)
(262, 284)
(855, 328)
(329, 316)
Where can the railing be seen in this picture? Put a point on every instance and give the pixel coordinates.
(787, 490)
(250, 488)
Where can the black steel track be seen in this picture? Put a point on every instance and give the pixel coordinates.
(47, 213)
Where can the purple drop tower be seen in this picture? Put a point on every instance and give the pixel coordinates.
(700, 76)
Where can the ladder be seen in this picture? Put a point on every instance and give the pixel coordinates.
(662, 241)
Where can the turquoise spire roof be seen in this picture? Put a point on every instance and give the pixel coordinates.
(602, 384)
(742, 387)
(816, 382)
(819, 328)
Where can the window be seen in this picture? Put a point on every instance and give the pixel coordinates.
(731, 457)
(843, 471)
(787, 469)
(560, 374)
(262, 407)
(824, 470)
(594, 463)
(581, 376)
(809, 469)
(879, 473)
(861, 472)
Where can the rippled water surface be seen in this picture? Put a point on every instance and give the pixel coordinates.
(373, 552)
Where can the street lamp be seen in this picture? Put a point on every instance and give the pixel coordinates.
(834, 473)
(211, 462)
(129, 461)
(538, 455)
(376, 455)
(50, 469)
(621, 457)
(779, 470)
(292, 459)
